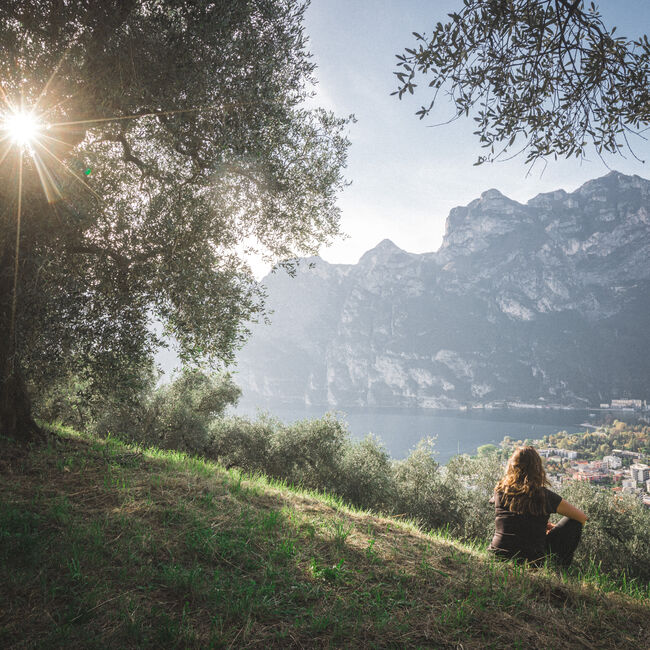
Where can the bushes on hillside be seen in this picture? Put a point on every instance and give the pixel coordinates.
(617, 534)
(78, 400)
(367, 475)
(179, 415)
(173, 416)
(475, 479)
(320, 454)
(240, 442)
(422, 490)
(309, 453)
(305, 453)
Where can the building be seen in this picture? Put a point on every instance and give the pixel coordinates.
(627, 404)
(640, 472)
(613, 462)
(629, 454)
(629, 483)
(590, 476)
(564, 453)
(647, 486)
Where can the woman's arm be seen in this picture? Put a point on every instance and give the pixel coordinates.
(567, 510)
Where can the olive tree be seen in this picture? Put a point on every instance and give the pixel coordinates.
(540, 77)
(165, 139)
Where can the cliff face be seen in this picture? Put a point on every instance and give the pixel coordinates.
(547, 302)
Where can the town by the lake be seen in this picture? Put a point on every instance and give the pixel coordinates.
(614, 456)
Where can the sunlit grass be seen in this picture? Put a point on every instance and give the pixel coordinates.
(116, 544)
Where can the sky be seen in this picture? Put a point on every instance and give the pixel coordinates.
(406, 175)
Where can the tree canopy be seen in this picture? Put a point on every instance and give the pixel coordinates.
(539, 77)
(168, 135)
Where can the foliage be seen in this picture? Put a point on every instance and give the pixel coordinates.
(617, 534)
(308, 453)
(178, 415)
(422, 492)
(112, 545)
(367, 475)
(241, 442)
(305, 453)
(594, 445)
(320, 455)
(474, 480)
(486, 450)
(76, 399)
(223, 158)
(547, 77)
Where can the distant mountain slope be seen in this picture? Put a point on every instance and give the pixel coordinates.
(547, 302)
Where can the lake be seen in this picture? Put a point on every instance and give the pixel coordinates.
(456, 431)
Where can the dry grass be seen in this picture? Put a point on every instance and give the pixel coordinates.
(106, 545)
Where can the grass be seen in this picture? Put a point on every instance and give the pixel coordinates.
(104, 544)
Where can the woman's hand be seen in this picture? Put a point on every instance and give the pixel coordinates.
(549, 527)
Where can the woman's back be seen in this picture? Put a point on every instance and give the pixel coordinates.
(523, 504)
(522, 534)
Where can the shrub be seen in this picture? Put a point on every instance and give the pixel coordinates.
(367, 475)
(472, 481)
(319, 454)
(180, 414)
(173, 416)
(240, 442)
(617, 534)
(309, 452)
(77, 400)
(65, 401)
(422, 491)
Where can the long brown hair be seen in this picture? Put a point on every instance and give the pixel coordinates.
(522, 486)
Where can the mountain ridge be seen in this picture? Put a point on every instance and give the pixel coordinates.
(542, 302)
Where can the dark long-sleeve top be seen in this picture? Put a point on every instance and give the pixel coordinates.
(521, 535)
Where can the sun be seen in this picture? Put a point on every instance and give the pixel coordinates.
(22, 127)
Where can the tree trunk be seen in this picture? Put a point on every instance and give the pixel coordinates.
(15, 407)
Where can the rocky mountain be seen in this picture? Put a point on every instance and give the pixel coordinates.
(542, 303)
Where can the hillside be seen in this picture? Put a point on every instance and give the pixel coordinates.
(538, 303)
(106, 545)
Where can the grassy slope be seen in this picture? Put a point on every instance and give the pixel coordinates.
(104, 545)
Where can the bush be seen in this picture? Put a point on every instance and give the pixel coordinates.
(173, 416)
(472, 481)
(77, 400)
(319, 454)
(617, 534)
(422, 491)
(180, 414)
(65, 401)
(240, 442)
(367, 475)
(309, 452)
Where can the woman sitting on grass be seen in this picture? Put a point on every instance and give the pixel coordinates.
(523, 504)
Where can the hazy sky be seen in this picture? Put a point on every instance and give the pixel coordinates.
(405, 175)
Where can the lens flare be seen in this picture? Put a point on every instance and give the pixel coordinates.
(22, 128)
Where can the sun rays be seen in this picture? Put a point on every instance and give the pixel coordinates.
(21, 127)
(39, 132)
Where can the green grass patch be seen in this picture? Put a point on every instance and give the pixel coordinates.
(108, 545)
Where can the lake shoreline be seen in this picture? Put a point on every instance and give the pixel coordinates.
(456, 431)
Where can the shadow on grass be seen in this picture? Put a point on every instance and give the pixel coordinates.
(106, 544)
